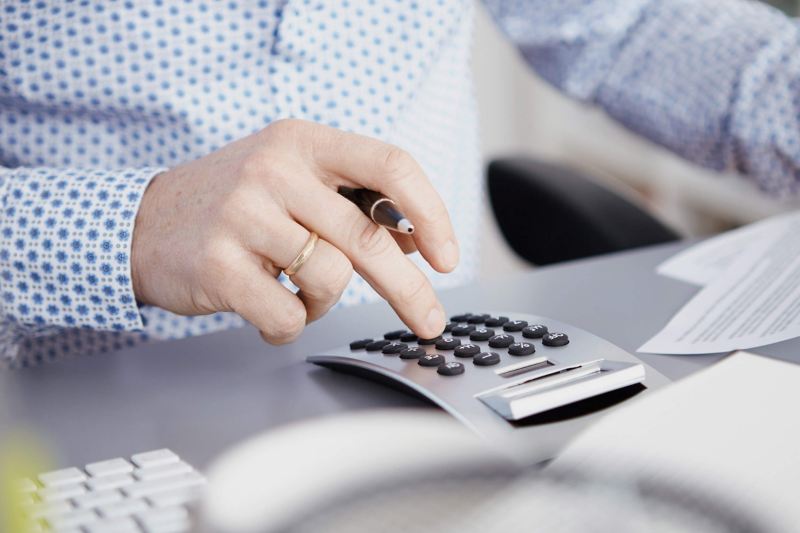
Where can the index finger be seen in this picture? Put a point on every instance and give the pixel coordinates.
(393, 172)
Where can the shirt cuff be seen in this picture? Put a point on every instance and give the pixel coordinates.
(65, 248)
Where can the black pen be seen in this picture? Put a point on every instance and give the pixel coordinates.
(379, 208)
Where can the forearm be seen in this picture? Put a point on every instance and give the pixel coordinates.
(716, 82)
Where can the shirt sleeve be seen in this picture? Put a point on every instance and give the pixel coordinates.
(65, 246)
(716, 82)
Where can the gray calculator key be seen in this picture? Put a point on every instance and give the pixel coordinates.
(466, 350)
(450, 369)
(447, 343)
(374, 346)
(360, 344)
(515, 325)
(462, 330)
(555, 339)
(394, 335)
(481, 334)
(495, 322)
(486, 359)
(501, 341)
(477, 319)
(427, 342)
(534, 331)
(408, 337)
(521, 348)
(431, 359)
(412, 353)
(394, 348)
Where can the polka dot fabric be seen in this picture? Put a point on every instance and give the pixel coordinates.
(98, 97)
(717, 82)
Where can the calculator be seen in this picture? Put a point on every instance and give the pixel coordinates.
(502, 374)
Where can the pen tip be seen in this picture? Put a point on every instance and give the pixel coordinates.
(405, 226)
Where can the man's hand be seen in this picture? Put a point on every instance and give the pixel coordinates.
(213, 234)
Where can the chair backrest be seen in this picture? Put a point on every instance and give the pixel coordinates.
(549, 213)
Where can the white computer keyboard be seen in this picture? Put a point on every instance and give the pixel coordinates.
(150, 492)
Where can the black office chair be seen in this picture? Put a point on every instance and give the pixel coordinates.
(549, 213)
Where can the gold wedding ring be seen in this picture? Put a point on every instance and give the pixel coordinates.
(303, 256)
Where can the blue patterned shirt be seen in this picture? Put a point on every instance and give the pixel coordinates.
(98, 97)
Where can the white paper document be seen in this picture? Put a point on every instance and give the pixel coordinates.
(726, 437)
(754, 301)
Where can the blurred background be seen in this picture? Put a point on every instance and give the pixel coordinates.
(521, 114)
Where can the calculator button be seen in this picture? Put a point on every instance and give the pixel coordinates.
(463, 317)
(449, 326)
(481, 334)
(466, 350)
(477, 319)
(408, 337)
(486, 359)
(555, 339)
(447, 343)
(462, 330)
(394, 335)
(493, 322)
(427, 342)
(394, 348)
(450, 369)
(521, 348)
(431, 359)
(412, 353)
(535, 331)
(501, 341)
(514, 325)
(360, 344)
(374, 346)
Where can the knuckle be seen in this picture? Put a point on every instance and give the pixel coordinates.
(287, 325)
(370, 239)
(412, 292)
(397, 162)
(340, 271)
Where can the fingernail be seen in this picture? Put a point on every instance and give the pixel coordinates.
(435, 321)
(450, 253)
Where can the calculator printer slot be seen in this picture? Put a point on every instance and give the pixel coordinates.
(523, 367)
(559, 385)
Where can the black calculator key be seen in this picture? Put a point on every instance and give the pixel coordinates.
(449, 326)
(431, 359)
(495, 322)
(450, 369)
(447, 343)
(477, 319)
(394, 335)
(501, 341)
(427, 342)
(521, 348)
(535, 331)
(461, 318)
(514, 325)
(466, 350)
(374, 346)
(360, 344)
(481, 334)
(394, 348)
(462, 330)
(555, 339)
(408, 337)
(412, 353)
(486, 359)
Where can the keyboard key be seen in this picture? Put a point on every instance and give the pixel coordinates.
(378, 345)
(463, 317)
(394, 335)
(477, 319)
(486, 359)
(48, 510)
(431, 359)
(171, 519)
(408, 337)
(109, 482)
(493, 322)
(462, 330)
(154, 458)
(501, 341)
(64, 492)
(116, 525)
(555, 339)
(428, 342)
(360, 344)
(123, 508)
(90, 500)
(449, 326)
(514, 325)
(535, 331)
(481, 334)
(450, 369)
(146, 488)
(466, 350)
(394, 348)
(74, 519)
(110, 467)
(447, 343)
(412, 353)
(521, 348)
(158, 472)
(174, 497)
(59, 478)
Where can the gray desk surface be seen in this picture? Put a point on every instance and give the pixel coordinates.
(200, 395)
